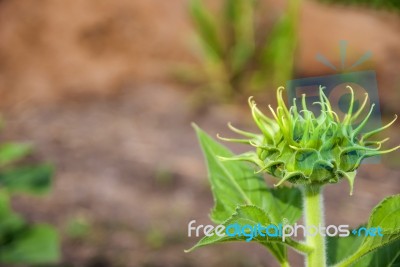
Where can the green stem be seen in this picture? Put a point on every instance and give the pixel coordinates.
(285, 264)
(314, 219)
(299, 246)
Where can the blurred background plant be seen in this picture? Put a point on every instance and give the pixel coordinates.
(20, 240)
(238, 53)
(378, 4)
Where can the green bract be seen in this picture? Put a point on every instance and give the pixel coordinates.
(299, 147)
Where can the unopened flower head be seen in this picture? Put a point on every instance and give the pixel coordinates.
(297, 146)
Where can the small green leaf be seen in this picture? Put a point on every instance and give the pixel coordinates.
(250, 216)
(244, 215)
(11, 152)
(35, 245)
(30, 179)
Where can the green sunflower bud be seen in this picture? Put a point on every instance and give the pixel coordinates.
(299, 147)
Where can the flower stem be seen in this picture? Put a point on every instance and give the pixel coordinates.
(314, 219)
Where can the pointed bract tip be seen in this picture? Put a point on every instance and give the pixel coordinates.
(194, 125)
(250, 100)
(350, 88)
(189, 250)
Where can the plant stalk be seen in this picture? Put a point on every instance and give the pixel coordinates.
(314, 219)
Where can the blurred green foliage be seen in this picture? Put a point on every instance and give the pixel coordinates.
(377, 4)
(155, 238)
(240, 55)
(20, 241)
(78, 227)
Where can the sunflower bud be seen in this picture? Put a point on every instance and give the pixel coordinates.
(299, 147)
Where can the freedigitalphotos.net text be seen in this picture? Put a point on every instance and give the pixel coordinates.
(280, 230)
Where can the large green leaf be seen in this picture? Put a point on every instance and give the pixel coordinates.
(340, 248)
(11, 152)
(386, 256)
(287, 203)
(34, 245)
(30, 179)
(385, 216)
(234, 183)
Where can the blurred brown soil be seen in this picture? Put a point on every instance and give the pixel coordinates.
(85, 47)
(88, 83)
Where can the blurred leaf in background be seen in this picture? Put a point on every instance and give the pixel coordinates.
(377, 4)
(20, 241)
(237, 53)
